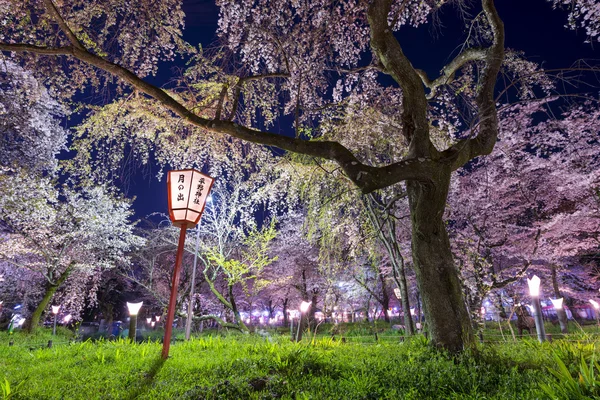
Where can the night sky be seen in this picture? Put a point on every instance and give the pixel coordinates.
(531, 26)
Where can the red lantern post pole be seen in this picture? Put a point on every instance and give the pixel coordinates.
(173, 298)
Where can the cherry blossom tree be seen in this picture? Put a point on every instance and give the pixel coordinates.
(62, 235)
(288, 53)
(31, 134)
(534, 203)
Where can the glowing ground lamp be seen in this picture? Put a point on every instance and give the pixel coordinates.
(534, 291)
(304, 307)
(134, 309)
(55, 310)
(557, 303)
(596, 309)
(560, 312)
(187, 191)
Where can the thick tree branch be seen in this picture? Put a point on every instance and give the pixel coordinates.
(483, 144)
(22, 47)
(447, 74)
(63, 24)
(367, 178)
(389, 52)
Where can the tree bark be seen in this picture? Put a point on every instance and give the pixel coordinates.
(443, 302)
(51, 289)
(561, 313)
(236, 313)
(285, 314)
(409, 326)
(385, 299)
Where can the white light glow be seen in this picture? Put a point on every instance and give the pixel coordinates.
(55, 309)
(67, 318)
(134, 308)
(304, 306)
(595, 304)
(558, 303)
(534, 286)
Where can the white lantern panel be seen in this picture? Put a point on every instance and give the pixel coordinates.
(179, 215)
(192, 216)
(201, 185)
(180, 185)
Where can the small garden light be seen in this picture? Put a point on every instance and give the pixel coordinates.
(534, 286)
(557, 303)
(133, 308)
(596, 309)
(304, 307)
(534, 291)
(560, 312)
(55, 310)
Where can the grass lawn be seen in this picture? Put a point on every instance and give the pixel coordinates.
(255, 367)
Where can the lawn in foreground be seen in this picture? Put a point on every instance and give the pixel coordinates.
(254, 367)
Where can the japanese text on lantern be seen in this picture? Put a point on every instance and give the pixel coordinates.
(181, 187)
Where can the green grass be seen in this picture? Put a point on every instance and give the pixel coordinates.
(233, 366)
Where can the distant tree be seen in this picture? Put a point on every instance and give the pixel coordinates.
(31, 134)
(233, 250)
(61, 234)
(534, 201)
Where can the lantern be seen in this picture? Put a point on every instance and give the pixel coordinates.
(188, 190)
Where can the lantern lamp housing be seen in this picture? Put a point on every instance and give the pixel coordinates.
(534, 286)
(558, 303)
(304, 306)
(134, 308)
(188, 190)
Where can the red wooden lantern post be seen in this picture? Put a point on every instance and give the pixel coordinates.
(187, 190)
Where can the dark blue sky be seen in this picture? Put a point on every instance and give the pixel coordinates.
(531, 26)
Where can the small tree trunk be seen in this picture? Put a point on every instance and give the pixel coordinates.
(385, 299)
(562, 315)
(51, 289)
(443, 302)
(401, 282)
(310, 320)
(236, 313)
(285, 316)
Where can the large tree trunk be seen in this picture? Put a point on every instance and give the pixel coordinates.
(445, 310)
(561, 313)
(51, 289)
